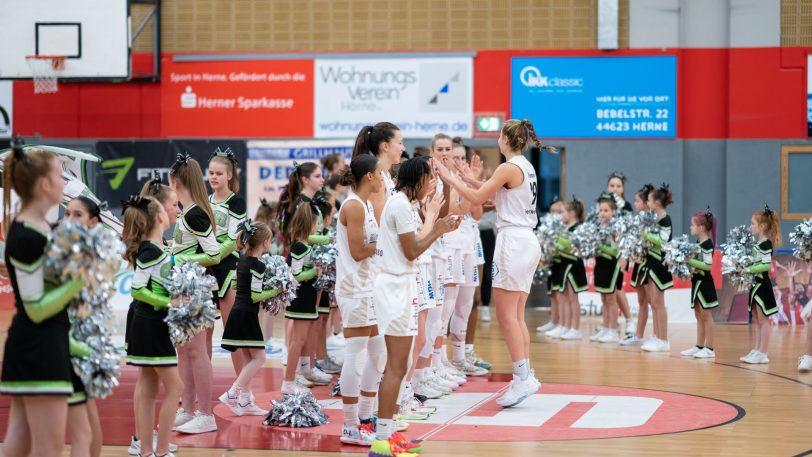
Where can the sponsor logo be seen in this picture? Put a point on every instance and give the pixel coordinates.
(530, 76)
(118, 168)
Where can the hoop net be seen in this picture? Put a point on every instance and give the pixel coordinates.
(45, 70)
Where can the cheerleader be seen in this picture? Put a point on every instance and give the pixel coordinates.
(517, 251)
(395, 294)
(229, 214)
(805, 361)
(265, 214)
(356, 235)
(302, 311)
(303, 184)
(168, 198)
(570, 279)
(36, 361)
(764, 225)
(658, 279)
(242, 332)
(84, 426)
(149, 346)
(616, 185)
(637, 279)
(607, 271)
(195, 241)
(556, 321)
(703, 291)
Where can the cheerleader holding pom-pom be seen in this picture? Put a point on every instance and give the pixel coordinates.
(637, 279)
(242, 331)
(570, 279)
(658, 279)
(607, 271)
(703, 290)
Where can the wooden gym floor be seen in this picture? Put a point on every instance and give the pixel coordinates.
(758, 410)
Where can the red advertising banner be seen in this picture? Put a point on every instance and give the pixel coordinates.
(257, 99)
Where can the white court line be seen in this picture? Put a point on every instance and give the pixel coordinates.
(462, 414)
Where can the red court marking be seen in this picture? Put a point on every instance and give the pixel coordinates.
(677, 413)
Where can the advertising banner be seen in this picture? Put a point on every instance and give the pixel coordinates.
(422, 96)
(808, 96)
(270, 164)
(261, 99)
(6, 107)
(596, 97)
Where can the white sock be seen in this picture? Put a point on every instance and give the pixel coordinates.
(469, 348)
(350, 414)
(385, 429)
(522, 369)
(444, 353)
(418, 375)
(437, 358)
(458, 351)
(365, 406)
(304, 366)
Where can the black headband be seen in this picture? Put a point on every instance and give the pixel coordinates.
(264, 202)
(605, 196)
(226, 154)
(248, 231)
(618, 175)
(135, 201)
(183, 159)
(17, 149)
(708, 214)
(767, 209)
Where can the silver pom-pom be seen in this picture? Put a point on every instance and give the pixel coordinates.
(278, 276)
(100, 370)
(801, 238)
(676, 254)
(737, 257)
(633, 245)
(92, 255)
(585, 239)
(324, 259)
(550, 227)
(296, 410)
(195, 312)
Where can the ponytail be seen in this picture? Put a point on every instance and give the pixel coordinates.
(769, 218)
(371, 137)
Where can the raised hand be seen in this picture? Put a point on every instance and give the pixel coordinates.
(447, 224)
(477, 166)
(432, 204)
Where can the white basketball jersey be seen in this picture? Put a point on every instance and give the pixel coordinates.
(516, 207)
(355, 279)
(397, 217)
(388, 184)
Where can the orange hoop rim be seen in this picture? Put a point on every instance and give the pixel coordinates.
(57, 62)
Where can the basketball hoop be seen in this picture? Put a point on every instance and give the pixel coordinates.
(45, 70)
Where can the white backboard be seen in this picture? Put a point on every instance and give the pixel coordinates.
(94, 35)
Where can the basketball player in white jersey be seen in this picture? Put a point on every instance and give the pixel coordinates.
(384, 141)
(356, 236)
(517, 250)
(395, 291)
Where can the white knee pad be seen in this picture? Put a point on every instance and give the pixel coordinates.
(462, 311)
(350, 377)
(376, 362)
(433, 329)
(449, 303)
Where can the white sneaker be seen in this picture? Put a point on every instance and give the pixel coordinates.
(135, 445)
(805, 364)
(319, 377)
(609, 336)
(597, 335)
(748, 355)
(451, 372)
(470, 369)
(202, 423)
(304, 382)
(290, 388)
(656, 345)
(231, 402)
(690, 352)
(182, 417)
(353, 434)
(485, 313)
(756, 358)
(335, 341)
(546, 327)
(632, 340)
(518, 391)
(705, 353)
(248, 408)
(631, 326)
(557, 332)
(438, 380)
(572, 334)
(425, 389)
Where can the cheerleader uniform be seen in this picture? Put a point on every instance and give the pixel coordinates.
(761, 293)
(242, 329)
(395, 291)
(607, 270)
(229, 215)
(702, 288)
(355, 279)
(655, 268)
(36, 358)
(302, 307)
(149, 335)
(571, 269)
(195, 240)
(326, 300)
(517, 251)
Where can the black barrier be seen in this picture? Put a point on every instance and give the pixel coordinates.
(128, 164)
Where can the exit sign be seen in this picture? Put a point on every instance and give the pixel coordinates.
(488, 125)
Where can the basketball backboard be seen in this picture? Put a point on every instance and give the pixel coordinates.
(93, 35)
